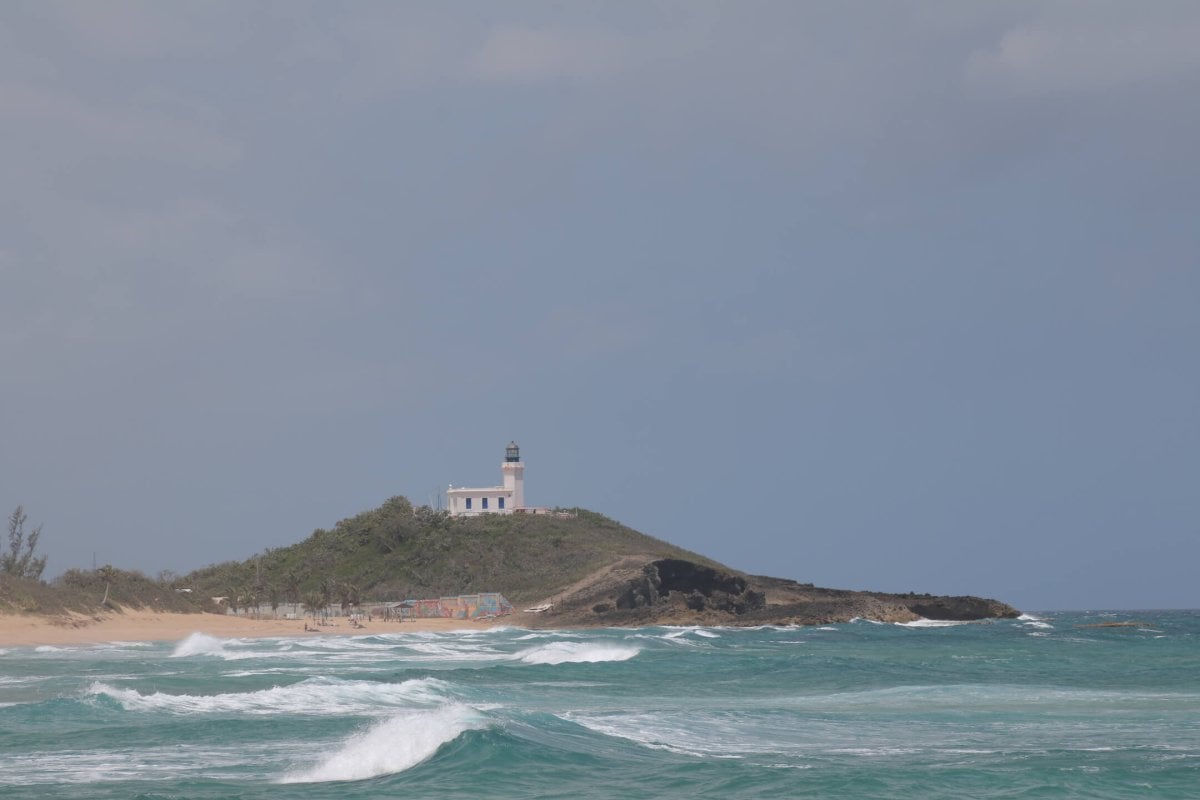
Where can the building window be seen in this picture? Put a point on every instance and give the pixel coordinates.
(501, 502)
(468, 504)
(485, 502)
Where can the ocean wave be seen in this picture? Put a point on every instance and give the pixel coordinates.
(931, 623)
(315, 696)
(200, 644)
(454, 651)
(393, 745)
(547, 635)
(576, 653)
(675, 633)
(152, 763)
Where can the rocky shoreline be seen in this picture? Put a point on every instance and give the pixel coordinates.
(668, 591)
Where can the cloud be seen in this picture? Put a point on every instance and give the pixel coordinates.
(1081, 55)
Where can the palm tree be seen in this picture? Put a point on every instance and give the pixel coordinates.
(273, 599)
(314, 603)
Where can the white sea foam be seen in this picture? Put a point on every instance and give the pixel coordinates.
(675, 633)
(161, 763)
(931, 623)
(454, 651)
(576, 653)
(547, 635)
(701, 734)
(315, 696)
(200, 644)
(392, 745)
(1029, 618)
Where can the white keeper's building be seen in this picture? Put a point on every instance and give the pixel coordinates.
(506, 499)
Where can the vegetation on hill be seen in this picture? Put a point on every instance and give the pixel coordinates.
(94, 591)
(399, 551)
(77, 591)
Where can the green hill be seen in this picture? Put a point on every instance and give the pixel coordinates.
(94, 591)
(397, 551)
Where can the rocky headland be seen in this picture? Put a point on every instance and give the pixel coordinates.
(643, 590)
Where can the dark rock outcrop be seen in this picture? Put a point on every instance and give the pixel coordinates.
(675, 591)
(701, 588)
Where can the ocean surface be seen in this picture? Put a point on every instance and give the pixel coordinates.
(1045, 706)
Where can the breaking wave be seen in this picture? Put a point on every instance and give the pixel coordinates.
(392, 745)
(576, 653)
(315, 696)
(931, 623)
(200, 644)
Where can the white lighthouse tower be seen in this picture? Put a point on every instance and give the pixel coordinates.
(514, 475)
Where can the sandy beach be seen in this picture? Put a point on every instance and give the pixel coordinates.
(152, 626)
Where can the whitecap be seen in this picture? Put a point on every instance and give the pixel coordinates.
(576, 653)
(675, 633)
(931, 623)
(315, 696)
(547, 635)
(200, 644)
(393, 745)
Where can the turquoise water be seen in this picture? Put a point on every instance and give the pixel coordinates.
(1030, 708)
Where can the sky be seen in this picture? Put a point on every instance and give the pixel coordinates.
(894, 296)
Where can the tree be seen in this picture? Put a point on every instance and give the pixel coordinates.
(315, 603)
(20, 560)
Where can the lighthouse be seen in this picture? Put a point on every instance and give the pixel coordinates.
(504, 499)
